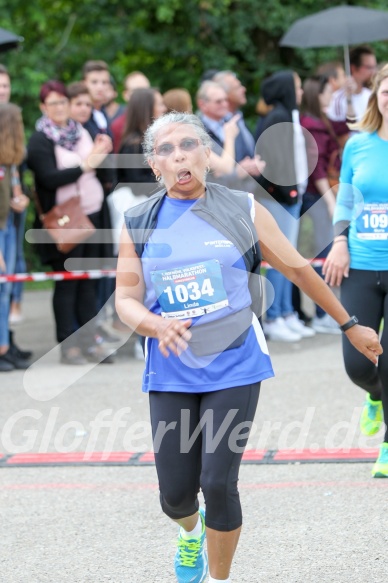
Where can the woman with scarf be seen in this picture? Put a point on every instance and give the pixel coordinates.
(63, 157)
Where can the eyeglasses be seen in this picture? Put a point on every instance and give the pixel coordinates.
(186, 145)
(218, 101)
(56, 103)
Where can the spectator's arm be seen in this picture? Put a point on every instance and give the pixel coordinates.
(41, 160)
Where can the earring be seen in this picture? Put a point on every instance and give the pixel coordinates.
(158, 177)
(208, 169)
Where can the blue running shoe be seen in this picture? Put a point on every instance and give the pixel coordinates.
(191, 558)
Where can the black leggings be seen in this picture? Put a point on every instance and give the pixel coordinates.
(365, 294)
(75, 301)
(211, 461)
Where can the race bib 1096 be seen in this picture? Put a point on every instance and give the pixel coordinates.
(373, 222)
(190, 291)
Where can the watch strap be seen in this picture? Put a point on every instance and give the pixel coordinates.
(349, 324)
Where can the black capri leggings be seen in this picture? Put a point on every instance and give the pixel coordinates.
(199, 440)
(365, 294)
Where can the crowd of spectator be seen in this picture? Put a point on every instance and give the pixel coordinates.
(291, 168)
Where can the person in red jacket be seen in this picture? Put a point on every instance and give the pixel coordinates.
(319, 198)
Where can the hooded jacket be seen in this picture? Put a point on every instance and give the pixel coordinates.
(278, 91)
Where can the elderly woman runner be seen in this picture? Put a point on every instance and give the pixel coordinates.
(187, 281)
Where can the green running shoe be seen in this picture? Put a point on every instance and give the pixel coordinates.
(380, 469)
(191, 558)
(371, 416)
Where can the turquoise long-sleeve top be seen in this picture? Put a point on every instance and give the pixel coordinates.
(363, 200)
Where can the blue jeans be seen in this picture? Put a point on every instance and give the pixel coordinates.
(282, 304)
(8, 250)
(322, 230)
(20, 266)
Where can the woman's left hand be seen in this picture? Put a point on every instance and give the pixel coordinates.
(337, 263)
(101, 148)
(173, 336)
(250, 167)
(261, 164)
(366, 341)
(19, 203)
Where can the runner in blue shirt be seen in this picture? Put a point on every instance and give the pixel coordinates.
(358, 260)
(187, 281)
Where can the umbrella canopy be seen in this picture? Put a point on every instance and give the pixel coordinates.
(9, 40)
(343, 25)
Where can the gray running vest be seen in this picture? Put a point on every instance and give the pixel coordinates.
(226, 210)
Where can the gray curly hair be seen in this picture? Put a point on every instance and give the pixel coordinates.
(172, 118)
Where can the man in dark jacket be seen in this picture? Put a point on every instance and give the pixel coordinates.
(213, 102)
(236, 93)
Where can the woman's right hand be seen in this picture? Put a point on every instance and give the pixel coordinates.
(366, 341)
(173, 336)
(336, 266)
(101, 148)
(231, 129)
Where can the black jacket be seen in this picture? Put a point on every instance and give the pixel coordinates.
(140, 179)
(107, 174)
(48, 177)
(277, 148)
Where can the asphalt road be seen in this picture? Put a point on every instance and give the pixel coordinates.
(303, 523)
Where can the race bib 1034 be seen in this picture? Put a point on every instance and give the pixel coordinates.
(190, 291)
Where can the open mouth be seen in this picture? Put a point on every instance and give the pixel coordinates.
(184, 176)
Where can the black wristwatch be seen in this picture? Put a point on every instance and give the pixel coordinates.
(349, 324)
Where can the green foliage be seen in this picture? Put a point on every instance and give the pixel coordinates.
(172, 41)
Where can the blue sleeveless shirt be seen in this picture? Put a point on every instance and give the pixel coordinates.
(191, 271)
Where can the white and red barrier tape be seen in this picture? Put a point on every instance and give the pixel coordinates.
(58, 275)
(91, 274)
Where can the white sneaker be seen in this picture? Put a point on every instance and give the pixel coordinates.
(278, 331)
(15, 318)
(296, 325)
(325, 325)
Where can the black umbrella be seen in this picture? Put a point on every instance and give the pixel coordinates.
(343, 25)
(9, 40)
